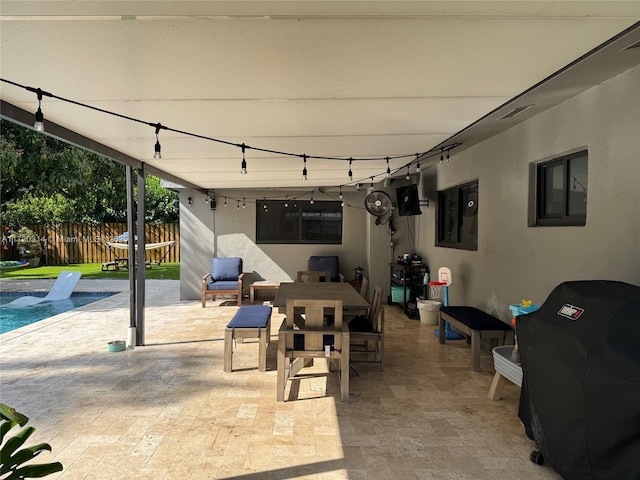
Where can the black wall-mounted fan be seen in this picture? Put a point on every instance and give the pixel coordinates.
(379, 204)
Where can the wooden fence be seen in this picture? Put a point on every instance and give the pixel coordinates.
(85, 243)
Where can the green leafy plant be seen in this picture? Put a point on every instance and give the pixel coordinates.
(13, 457)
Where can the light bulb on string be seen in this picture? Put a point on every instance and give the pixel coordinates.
(225, 201)
(39, 122)
(408, 175)
(340, 195)
(311, 201)
(388, 169)
(448, 155)
(157, 154)
(304, 169)
(243, 166)
(350, 171)
(371, 186)
(418, 169)
(441, 156)
(244, 203)
(238, 205)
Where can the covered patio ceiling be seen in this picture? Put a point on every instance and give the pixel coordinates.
(362, 79)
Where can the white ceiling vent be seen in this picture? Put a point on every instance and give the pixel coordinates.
(514, 112)
(635, 44)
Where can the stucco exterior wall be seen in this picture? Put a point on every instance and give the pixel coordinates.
(515, 261)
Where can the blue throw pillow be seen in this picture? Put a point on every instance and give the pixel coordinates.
(226, 268)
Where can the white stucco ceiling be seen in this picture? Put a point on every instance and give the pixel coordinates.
(345, 79)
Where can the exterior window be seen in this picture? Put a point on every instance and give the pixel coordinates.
(298, 221)
(562, 191)
(457, 225)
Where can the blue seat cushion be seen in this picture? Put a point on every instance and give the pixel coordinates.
(326, 263)
(223, 285)
(226, 268)
(251, 316)
(475, 319)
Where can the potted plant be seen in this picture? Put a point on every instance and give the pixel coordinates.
(28, 244)
(13, 459)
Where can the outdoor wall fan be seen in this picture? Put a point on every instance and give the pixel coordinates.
(379, 204)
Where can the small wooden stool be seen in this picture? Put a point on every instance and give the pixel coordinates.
(250, 321)
(262, 285)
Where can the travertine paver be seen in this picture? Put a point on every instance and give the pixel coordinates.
(168, 410)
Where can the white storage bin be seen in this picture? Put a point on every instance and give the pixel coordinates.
(503, 364)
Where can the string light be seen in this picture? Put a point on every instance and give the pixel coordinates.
(244, 204)
(157, 154)
(243, 167)
(311, 201)
(371, 186)
(304, 170)
(408, 175)
(388, 169)
(225, 201)
(39, 123)
(238, 205)
(340, 196)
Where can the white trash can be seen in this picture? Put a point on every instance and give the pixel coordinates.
(429, 311)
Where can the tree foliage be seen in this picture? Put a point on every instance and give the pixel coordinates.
(46, 181)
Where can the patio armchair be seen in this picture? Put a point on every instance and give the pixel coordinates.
(326, 263)
(225, 279)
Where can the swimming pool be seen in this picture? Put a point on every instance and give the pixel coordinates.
(12, 318)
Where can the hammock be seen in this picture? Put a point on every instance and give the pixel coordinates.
(147, 246)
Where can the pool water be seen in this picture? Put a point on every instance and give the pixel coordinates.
(12, 318)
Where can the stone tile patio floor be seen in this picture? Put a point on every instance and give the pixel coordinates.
(167, 410)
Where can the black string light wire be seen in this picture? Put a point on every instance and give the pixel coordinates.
(39, 125)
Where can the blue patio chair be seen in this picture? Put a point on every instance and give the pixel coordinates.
(225, 279)
(326, 263)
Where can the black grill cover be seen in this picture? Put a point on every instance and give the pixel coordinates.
(580, 399)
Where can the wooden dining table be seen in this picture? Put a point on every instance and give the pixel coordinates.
(352, 302)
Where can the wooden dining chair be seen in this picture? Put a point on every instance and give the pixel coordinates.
(367, 333)
(308, 276)
(301, 340)
(364, 288)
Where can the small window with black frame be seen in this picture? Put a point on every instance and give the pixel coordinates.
(298, 221)
(561, 186)
(457, 223)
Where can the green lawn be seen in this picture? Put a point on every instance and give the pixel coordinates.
(164, 271)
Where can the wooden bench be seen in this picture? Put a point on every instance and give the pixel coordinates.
(476, 325)
(250, 321)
